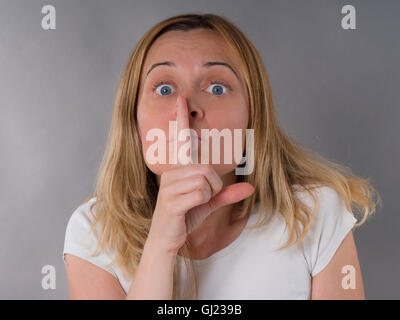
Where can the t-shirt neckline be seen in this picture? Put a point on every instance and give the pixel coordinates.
(231, 247)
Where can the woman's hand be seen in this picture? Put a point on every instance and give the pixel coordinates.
(188, 195)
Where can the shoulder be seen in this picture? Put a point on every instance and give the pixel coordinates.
(331, 222)
(82, 218)
(83, 212)
(81, 241)
(324, 194)
(327, 203)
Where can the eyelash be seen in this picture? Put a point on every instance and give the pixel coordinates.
(159, 84)
(212, 82)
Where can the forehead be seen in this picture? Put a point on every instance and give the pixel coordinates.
(189, 49)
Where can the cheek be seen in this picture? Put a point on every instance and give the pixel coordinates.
(150, 118)
(234, 116)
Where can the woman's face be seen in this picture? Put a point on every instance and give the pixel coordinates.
(215, 94)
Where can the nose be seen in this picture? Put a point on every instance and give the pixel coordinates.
(195, 111)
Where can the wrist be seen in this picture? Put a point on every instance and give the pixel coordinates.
(154, 244)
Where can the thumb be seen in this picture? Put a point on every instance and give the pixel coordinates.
(231, 194)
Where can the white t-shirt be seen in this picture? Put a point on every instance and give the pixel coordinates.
(248, 268)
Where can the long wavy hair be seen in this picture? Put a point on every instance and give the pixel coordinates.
(126, 190)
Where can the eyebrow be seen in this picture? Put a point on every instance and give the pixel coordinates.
(206, 65)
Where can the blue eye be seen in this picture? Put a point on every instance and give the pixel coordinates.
(218, 89)
(165, 89)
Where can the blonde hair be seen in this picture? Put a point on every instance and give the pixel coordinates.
(126, 190)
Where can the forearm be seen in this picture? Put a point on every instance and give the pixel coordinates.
(153, 278)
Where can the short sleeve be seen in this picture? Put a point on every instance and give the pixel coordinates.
(81, 242)
(328, 229)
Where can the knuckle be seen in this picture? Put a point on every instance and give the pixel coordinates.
(206, 170)
(199, 196)
(201, 181)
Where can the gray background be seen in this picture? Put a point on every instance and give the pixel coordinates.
(336, 91)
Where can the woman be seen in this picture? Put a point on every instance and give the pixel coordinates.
(166, 230)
